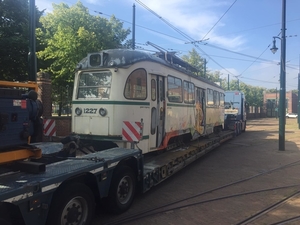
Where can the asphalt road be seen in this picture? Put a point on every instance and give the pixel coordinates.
(247, 180)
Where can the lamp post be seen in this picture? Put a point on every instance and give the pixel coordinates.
(299, 95)
(282, 91)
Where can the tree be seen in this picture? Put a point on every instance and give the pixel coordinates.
(69, 33)
(14, 36)
(254, 95)
(194, 59)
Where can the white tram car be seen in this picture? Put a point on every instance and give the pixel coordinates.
(158, 90)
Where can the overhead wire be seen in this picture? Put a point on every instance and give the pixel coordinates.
(146, 28)
(254, 61)
(182, 33)
(204, 43)
(256, 58)
(218, 20)
(209, 45)
(194, 42)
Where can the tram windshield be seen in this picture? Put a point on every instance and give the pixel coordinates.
(95, 85)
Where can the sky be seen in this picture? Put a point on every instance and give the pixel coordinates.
(234, 36)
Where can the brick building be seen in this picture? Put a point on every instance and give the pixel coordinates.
(271, 103)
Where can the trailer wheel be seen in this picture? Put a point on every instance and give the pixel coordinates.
(74, 204)
(122, 190)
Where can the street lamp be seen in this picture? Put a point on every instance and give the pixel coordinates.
(274, 48)
(282, 91)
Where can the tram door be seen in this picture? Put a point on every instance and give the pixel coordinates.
(200, 110)
(157, 107)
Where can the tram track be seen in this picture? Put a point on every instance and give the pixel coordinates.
(270, 208)
(179, 204)
(283, 222)
(166, 208)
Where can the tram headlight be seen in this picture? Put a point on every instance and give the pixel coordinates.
(102, 112)
(78, 111)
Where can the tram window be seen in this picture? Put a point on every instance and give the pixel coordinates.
(210, 97)
(153, 90)
(216, 98)
(153, 120)
(221, 99)
(189, 92)
(174, 89)
(136, 85)
(215, 94)
(94, 85)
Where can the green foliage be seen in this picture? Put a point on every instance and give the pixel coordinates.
(272, 90)
(254, 95)
(194, 59)
(14, 36)
(69, 33)
(216, 77)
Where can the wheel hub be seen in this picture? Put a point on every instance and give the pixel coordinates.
(74, 214)
(124, 189)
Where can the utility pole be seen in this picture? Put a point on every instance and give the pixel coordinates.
(282, 96)
(298, 111)
(276, 105)
(32, 45)
(228, 84)
(204, 67)
(133, 27)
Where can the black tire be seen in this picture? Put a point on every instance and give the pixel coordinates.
(5, 222)
(73, 204)
(122, 190)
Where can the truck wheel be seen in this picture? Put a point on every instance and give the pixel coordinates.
(74, 204)
(5, 222)
(122, 190)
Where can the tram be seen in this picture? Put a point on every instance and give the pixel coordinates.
(160, 91)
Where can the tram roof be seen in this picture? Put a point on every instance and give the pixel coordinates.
(112, 58)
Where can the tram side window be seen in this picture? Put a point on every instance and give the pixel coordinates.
(221, 99)
(174, 89)
(153, 90)
(136, 85)
(189, 92)
(210, 97)
(216, 98)
(94, 85)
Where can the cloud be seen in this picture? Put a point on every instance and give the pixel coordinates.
(97, 2)
(196, 18)
(44, 5)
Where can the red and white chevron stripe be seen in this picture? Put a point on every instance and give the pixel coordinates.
(49, 127)
(131, 131)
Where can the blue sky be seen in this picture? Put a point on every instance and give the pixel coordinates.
(236, 34)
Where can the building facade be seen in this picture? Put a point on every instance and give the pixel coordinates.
(271, 103)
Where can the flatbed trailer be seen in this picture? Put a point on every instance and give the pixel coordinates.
(67, 191)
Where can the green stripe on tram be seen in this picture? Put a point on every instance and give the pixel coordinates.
(110, 103)
(181, 105)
